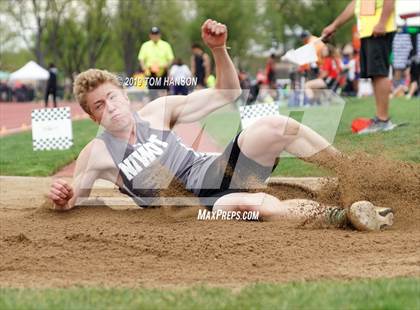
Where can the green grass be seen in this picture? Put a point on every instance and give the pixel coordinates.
(401, 144)
(18, 158)
(400, 293)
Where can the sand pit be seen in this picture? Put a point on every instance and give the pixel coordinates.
(164, 247)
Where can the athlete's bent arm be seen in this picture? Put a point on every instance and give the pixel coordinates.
(64, 195)
(195, 106)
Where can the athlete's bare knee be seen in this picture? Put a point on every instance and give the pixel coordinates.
(231, 202)
(292, 127)
(254, 202)
(245, 202)
(280, 126)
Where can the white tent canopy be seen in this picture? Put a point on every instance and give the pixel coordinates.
(30, 71)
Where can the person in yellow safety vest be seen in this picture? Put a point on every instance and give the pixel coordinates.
(156, 56)
(376, 26)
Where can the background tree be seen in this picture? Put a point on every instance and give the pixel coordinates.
(241, 20)
(310, 15)
(71, 47)
(130, 20)
(79, 34)
(50, 38)
(133, 20)
(97, 27)
(74, 41)
(25, 14)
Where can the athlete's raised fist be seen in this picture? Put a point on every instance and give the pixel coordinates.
(214, 34)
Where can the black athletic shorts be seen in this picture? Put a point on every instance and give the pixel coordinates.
(330, 82)
(157, 82)
(415, 72)
(232, 172)
(375, 55)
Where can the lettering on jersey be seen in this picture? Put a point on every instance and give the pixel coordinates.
(142, 157)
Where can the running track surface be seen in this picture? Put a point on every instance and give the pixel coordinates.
(16, 117)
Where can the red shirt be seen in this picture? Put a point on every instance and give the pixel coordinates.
(331, 66)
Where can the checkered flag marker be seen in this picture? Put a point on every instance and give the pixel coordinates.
(51, 129)
(250, 113)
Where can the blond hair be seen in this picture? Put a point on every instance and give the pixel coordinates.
(89, 80)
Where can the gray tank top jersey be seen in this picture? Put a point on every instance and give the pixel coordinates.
(151, 163)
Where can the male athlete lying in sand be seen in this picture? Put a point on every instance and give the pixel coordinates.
(134, 148)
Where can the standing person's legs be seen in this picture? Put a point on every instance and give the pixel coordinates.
(414, 78)
(152, 86)
(374, 63)
(413, 88)
(54, 93)
(157, 87)
(184, 90)
(47, 93)
(377, 62)
(382, 89)
(164, 87)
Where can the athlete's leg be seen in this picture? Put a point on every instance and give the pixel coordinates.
(362, 215)
(47, 94)
(413, 88)
(382, 89)
(265, 139)
(271, 208)
(54, 93)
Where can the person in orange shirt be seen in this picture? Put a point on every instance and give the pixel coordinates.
(312, 70)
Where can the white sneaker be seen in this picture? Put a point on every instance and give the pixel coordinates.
(365, 216)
